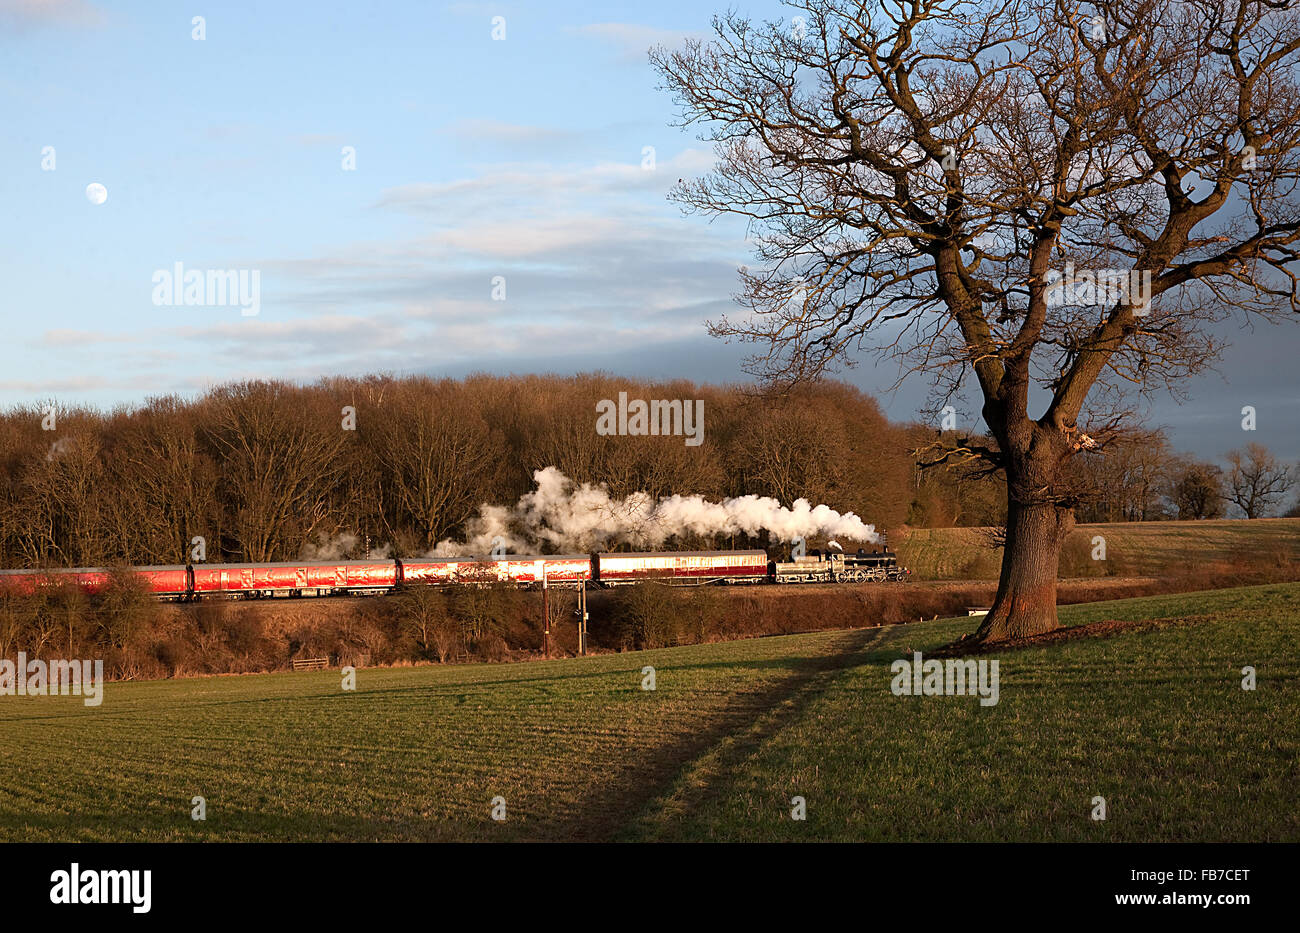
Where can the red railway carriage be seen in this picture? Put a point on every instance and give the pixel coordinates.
(161, 581)
(434, 570)
(164, 581)
(26, 582)
(683, 567)
(295, 578)
(567, 568)
(518, 569)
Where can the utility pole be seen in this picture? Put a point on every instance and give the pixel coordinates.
(546, 617)
(582, 617)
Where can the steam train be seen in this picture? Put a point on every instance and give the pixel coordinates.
(376, 577)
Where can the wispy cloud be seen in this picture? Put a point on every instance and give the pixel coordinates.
(473, 9)
(319, 139)
(21, 15)
(521, 186)
(597, 266)
(633, 41)
(499, 131)
(79, 338)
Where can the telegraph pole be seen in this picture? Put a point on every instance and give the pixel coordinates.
(546, 616)
(582, 617)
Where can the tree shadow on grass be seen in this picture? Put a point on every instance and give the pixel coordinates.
(627, 805)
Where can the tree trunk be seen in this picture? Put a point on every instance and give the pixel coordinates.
(1038, 521)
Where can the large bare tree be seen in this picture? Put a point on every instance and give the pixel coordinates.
(1055, 198)
(1257, 480)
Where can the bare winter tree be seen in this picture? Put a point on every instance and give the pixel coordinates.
(1256, 480)
(279, 465)
(1196, 489)
(1055, 197)
(434, 450)
(423, 615)
(1123, 481)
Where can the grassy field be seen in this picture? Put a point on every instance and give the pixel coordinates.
(1154, 720)
(1132, 549)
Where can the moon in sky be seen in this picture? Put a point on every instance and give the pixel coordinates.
(96, 193)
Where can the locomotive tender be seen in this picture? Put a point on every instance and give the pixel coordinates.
(375, 577)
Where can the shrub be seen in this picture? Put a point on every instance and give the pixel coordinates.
(648, 615)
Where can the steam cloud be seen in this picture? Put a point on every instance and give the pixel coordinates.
(329, 548)
(581, 518)
(339, 546)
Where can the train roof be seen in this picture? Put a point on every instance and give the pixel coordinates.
(753, 553)
(388, 561)
(384, 561)
(527, 558)
(204, 565)
(37, 570)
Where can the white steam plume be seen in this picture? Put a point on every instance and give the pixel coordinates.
(337, 546)
(328, 548)
(582, 517)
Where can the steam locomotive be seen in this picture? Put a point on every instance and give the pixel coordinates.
(376, 577)
(832, 566)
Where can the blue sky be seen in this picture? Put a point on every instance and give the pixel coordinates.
(475, 158)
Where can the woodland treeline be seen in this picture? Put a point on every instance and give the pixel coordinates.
(273, 471)
(1143, 479)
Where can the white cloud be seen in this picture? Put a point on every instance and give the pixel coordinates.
(523, 186)
(598, 266)
(79, 338)
(320, 139)
(634, 41)
(519, 240)
(473, 9)
(26, 14)
(499, 131)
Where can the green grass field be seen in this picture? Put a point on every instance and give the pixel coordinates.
(1153, 720)
(1132, 549)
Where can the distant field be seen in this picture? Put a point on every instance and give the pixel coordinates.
(1155, 721)
(1133, 549)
